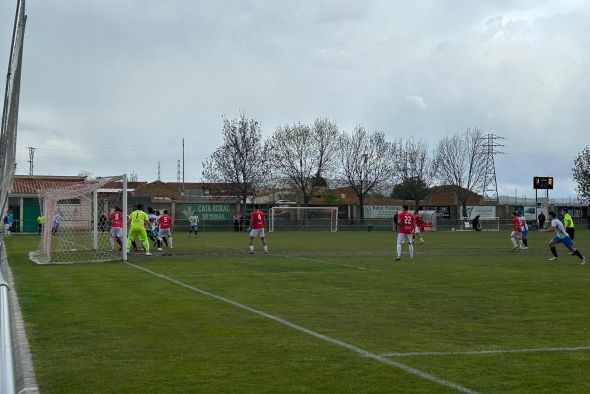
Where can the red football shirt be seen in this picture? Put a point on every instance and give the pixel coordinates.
(116, 219)
(165, 221)
(418, 220)
(517, 224)
(257, 219)
(405, 222)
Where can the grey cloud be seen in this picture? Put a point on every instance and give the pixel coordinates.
(148, 73)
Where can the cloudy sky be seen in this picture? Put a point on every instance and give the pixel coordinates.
(113, 86)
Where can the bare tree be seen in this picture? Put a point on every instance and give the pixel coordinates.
(461, 163)
(367, 162)
(581, 173)
(325, 134)
(302, 154)
(240, 162)
(415, 169)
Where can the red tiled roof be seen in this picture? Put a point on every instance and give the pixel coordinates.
(31, 184)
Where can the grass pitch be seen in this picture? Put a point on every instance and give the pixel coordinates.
(324, 312)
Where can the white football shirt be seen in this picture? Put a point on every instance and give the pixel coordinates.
(559, 229)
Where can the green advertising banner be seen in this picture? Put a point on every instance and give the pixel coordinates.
(205, 211)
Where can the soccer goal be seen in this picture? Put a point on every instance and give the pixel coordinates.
(304, 218)
(485, 224)
(77, 226)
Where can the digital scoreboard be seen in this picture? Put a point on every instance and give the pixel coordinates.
(543, 182)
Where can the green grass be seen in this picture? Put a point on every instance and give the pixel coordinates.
(112, 327)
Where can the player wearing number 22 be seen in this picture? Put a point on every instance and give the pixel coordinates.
(257, 229)
(405, 225)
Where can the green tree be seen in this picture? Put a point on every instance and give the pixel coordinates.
(581, 174)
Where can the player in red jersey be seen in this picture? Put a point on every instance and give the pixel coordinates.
(257, 229)
(116, 219)
(516, 235)
(405, 225)
(419, 229)
(165, 222)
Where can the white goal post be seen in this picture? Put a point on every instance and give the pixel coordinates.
(303, 218)
(485, 224)
(77, 225)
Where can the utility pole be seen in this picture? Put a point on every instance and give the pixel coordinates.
(31, 159)
(489, 149)
(159, 171)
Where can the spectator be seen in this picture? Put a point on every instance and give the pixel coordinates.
(241, 223)
(542, 219)
(475, 224)
(6, 224)
(236, 222)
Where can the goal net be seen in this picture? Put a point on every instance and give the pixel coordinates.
(8, 129)
(304, 218)
(485, 224)
(77, 227)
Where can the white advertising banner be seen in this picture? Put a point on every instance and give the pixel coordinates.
(484, 211)
(381, 211)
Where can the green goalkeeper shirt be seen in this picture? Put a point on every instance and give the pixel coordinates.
(138, 218)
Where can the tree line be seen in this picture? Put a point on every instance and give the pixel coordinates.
(303, 156)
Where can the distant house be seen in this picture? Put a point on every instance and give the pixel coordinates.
(24, 197)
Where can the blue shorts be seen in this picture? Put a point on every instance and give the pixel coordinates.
(525, 233)
(567, 241)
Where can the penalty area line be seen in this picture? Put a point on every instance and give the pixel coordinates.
(492, 351)
(297, 327)
(305, 259)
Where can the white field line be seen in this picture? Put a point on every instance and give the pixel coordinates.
(305, 259)
(362, 352)
(493, 351)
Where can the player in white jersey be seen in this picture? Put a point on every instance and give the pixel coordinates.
(150, 227)
(55, 223)
(156, 230)
(561, 237)
(525, 230)
(194, 221)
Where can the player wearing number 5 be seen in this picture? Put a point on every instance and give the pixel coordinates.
(257, 229)
(405, 225)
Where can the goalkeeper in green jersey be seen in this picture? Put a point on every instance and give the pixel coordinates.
(139, 219)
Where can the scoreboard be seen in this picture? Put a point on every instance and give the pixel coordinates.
(543, 182)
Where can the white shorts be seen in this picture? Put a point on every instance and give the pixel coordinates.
(257, 232)
(417, 230)
(117, 232)
(515, 234)
(165, 232)
(402, 237)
